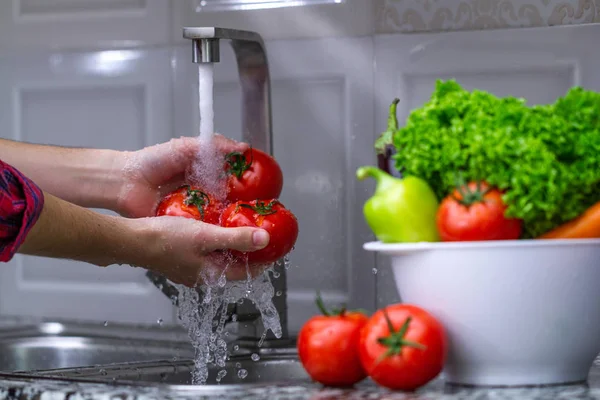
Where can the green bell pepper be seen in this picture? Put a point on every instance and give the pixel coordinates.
(401, 210)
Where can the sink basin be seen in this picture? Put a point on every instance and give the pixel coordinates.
(279, 368)
(41, 353)
(142, 357)
(52, 345)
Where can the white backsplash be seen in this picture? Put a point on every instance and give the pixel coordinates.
(115, 74)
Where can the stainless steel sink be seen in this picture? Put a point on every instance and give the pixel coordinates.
(278, 368)
(147, 356)
(51, 345)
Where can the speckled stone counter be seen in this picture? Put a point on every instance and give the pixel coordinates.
(49, 389)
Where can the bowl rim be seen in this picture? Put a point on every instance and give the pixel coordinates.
(398, 248)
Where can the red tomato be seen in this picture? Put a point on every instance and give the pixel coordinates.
(269, 215)
(252, 175)
(190, 202)
(476, 212)
(402, 347)
(328, 347)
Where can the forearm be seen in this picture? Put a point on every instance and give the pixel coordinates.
(87, 177)
(65, 230)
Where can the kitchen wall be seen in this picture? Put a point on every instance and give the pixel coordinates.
(117, 74)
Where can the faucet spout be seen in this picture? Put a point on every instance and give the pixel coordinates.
(253, 69)
(206, 51)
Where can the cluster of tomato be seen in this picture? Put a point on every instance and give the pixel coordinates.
(254, 183)
(400, 347)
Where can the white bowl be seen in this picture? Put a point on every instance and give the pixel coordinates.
(523, 312)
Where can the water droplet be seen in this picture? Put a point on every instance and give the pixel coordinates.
(220, 375)
(255, 357)
(276, 274)
(103, 372)
(159, 321)
(278, 293)
(105, 323)
(242, 373)
(374, 271)
(238, 365)
(234, 317)
(236, 347)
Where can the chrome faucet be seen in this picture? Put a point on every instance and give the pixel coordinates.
(255, 83)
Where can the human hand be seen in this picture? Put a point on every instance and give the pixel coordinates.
(191, 252)
(152, 172)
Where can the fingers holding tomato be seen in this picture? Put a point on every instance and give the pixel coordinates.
(252, 175)
(254, 183)
(270, 215)
(402, 347)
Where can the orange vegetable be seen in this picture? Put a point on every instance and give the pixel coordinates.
(586, 226)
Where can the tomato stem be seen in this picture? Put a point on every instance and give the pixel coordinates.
(197, 198)
(237, 163)
(395, 341)
(261, 207)
(321, 305)
(468, 195)
(334, 312)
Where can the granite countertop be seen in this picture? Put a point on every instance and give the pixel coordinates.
(18, 387)
(34, 389)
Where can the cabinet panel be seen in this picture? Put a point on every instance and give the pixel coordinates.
(52, 24)
(110, 99)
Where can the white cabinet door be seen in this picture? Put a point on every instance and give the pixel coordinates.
(538, 64)
(108, 99)
(322, 127)
(83, 23)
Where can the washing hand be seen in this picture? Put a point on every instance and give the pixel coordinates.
(185, 251)
(152, 172)
(130, 183)
(189, 252)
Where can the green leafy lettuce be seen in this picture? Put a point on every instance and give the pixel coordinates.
(546, 158)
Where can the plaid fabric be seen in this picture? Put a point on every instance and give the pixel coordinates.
(21, 203)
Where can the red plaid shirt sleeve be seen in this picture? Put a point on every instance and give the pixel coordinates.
(21, 203)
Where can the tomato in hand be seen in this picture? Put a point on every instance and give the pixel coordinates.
(476, 212)
(253, 175)
(190, 202)
(269, 215)
(328, 347)
(402, 347)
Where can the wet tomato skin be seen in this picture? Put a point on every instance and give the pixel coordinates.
(417, 362)
(190, 202)
(328, 347)
(252, 175)
(270, 215)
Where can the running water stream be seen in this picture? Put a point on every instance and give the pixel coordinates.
(204, 316)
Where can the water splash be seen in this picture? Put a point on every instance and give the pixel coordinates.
(205, 320)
